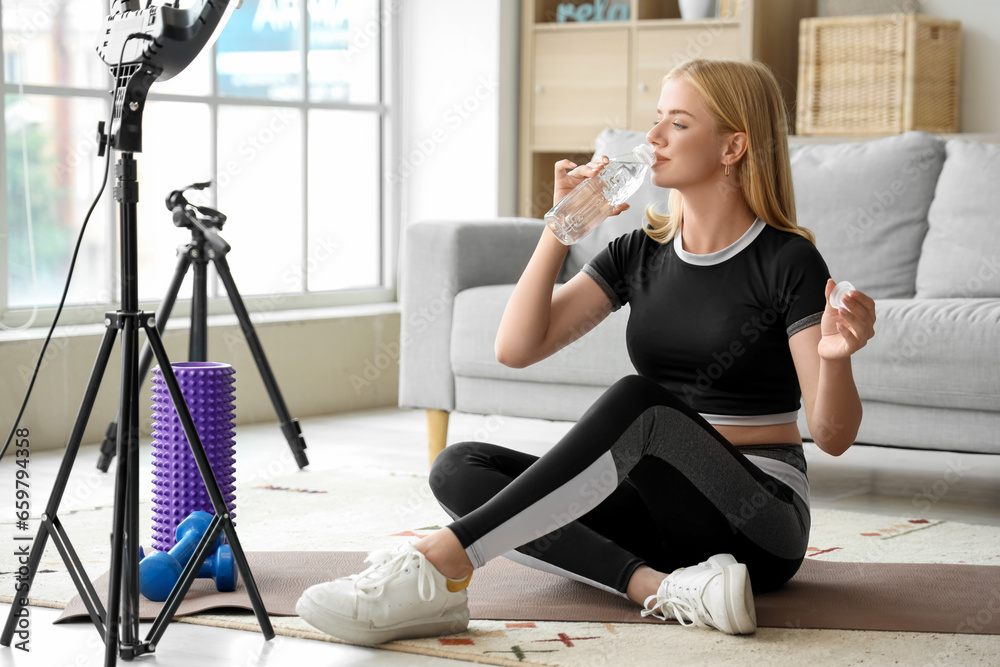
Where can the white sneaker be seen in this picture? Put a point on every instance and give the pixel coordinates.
(400, 596)
(715, 593)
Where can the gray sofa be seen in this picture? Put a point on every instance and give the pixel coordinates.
(913, 220)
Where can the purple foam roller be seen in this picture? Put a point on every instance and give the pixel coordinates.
(178, 488)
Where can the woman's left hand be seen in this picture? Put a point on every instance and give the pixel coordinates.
(846, 330)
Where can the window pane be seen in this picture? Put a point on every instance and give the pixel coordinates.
(258, 51)
(176, 152)
(344, 200)
(63, 177)
(52, 43)
(344, 51)
(260, 190)
(195, 79)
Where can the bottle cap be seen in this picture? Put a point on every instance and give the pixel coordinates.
(839, 292)
(644, 154)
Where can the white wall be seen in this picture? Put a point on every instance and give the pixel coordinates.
(980, 93)
(459, 70)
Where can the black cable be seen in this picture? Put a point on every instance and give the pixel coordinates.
(76, 249)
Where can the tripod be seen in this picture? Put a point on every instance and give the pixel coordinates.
(132, 83)
(205, 245)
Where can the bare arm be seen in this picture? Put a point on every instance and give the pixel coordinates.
(822, 356)
(538, 322)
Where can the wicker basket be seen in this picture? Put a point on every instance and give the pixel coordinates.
(878, 74)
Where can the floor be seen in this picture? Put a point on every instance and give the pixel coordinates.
(938, 485)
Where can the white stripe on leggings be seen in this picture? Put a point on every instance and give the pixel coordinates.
(784, 472)
(562, 506)
(538, 564)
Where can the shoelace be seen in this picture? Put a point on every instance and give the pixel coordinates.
(386, 566)
(678, 609)
(680, 601)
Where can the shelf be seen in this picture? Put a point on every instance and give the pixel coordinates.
(580, 77)
(590, 25)
(686, 23)
(648, 23)
(565, 150)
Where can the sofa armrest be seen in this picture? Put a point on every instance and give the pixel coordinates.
(440, 259)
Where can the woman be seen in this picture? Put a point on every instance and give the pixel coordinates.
(681, 482)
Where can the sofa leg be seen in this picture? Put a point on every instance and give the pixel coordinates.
(437, 433)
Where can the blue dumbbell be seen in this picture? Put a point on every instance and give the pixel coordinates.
(160, 571)
(221, 567)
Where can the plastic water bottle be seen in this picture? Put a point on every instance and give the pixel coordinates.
(593, 200)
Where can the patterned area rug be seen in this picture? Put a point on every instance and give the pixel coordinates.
(360, 510)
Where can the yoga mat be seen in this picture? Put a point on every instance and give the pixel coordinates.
(914, 597)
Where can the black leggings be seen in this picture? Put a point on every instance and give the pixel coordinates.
(640, 479)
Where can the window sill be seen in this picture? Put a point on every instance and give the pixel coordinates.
(223, 320)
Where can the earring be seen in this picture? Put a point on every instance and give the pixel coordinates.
(727, 170)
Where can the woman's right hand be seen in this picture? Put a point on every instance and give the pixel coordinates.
(568, 175)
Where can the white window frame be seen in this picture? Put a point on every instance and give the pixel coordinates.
(218, 302)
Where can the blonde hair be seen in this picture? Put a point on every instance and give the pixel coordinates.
(742, 96)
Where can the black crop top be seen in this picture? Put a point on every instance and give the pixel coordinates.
(714, 328)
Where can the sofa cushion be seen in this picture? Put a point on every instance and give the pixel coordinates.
(937, 353)
(961, 252)
(538, 400)
(613, 143)
(598, 358)
(867, 203)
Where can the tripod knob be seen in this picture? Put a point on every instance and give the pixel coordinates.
(179, 217)
(102, 139)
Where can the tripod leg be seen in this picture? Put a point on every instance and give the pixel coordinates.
(58, 489)
(110, 444)
(289, 426)
(131, 556)
(211, 484)
(123, 584)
